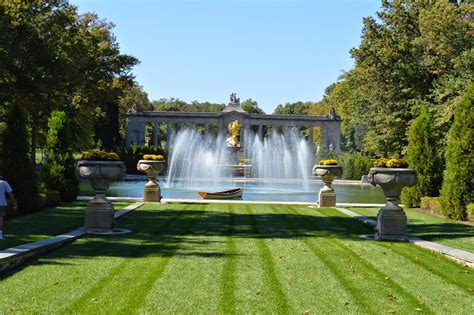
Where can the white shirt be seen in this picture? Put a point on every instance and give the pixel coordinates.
(4, 188)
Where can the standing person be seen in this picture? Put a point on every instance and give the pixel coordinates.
(4, 189)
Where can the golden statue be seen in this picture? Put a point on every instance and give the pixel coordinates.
(234, 129)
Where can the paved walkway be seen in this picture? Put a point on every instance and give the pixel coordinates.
(12, 257)
(169, 200)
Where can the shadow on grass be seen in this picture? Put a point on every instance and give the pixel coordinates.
(195, 233)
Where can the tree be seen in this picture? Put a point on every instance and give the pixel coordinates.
(458, 183)
(413, 52)
(15, 161)
(52, 58)
(251, 107)
(298, 108)
(59, 171)
(422, 155)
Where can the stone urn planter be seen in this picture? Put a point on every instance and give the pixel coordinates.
(391, 219)
(327, 195)
(152, 191)
(99, 217)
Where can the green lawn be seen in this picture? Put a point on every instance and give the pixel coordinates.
(240, 258)
(431, 228)
(46, 223)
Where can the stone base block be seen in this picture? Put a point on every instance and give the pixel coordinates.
(391, 225)
(152, 193)
(327, 198)
(99, 215)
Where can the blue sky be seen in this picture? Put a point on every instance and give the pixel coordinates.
(271, 51)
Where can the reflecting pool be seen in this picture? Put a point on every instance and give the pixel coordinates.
(260, 191)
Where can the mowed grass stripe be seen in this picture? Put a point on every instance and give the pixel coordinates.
(252, 291)
(358, 275)
(103, 293)
(431, 290)
(446, 270)
(277, 294)
(190, 283)
(228, 285)
(154, 269)
(328, 291)
(323, 249)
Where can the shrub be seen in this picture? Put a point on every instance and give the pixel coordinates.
(98, 155)
(458, 184)
(422, 155)
(470, 211)
(15, 161)
(355, 165)
(49, 198)
(328, 162)
(432, 204)
(58, 173)
(325, 154)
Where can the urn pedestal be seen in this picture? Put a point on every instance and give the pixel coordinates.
(327, 195)
(99, 216)
(391, 219)
(152, 191)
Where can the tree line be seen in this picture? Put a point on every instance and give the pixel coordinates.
(62, 72)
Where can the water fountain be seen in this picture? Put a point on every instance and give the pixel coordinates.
(275, 167)
(200, 160)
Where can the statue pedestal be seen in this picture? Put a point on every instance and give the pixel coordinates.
(327, 195)
(152, 192)
(99, 215)
(391, 223)
(327, 198)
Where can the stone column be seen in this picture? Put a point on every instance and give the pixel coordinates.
(156, 127)
(130, 128)
(260, 132)
(335, 134)
(311, 135)
(222, 128)
(324, 136)
(168, 133)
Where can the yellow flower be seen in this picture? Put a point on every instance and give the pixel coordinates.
(328, 162)
(153, 157)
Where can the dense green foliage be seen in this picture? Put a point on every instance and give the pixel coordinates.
(422, 155)
(355, 165)
(15, 161)
(432, 204)
(458, 182)
(413, 53)
(323, 153)
(58, 172)
(237, 258)
(177, 105)
(54, 58)
(134, 153)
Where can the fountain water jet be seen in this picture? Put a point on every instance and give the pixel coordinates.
(205, 161)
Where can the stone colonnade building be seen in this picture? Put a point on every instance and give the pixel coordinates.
(137, 121)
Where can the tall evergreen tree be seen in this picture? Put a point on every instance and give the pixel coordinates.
(458, 184)
(59, 172)
(422, 155)
(15, 161)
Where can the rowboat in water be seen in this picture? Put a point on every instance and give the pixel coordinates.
(226, 194)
